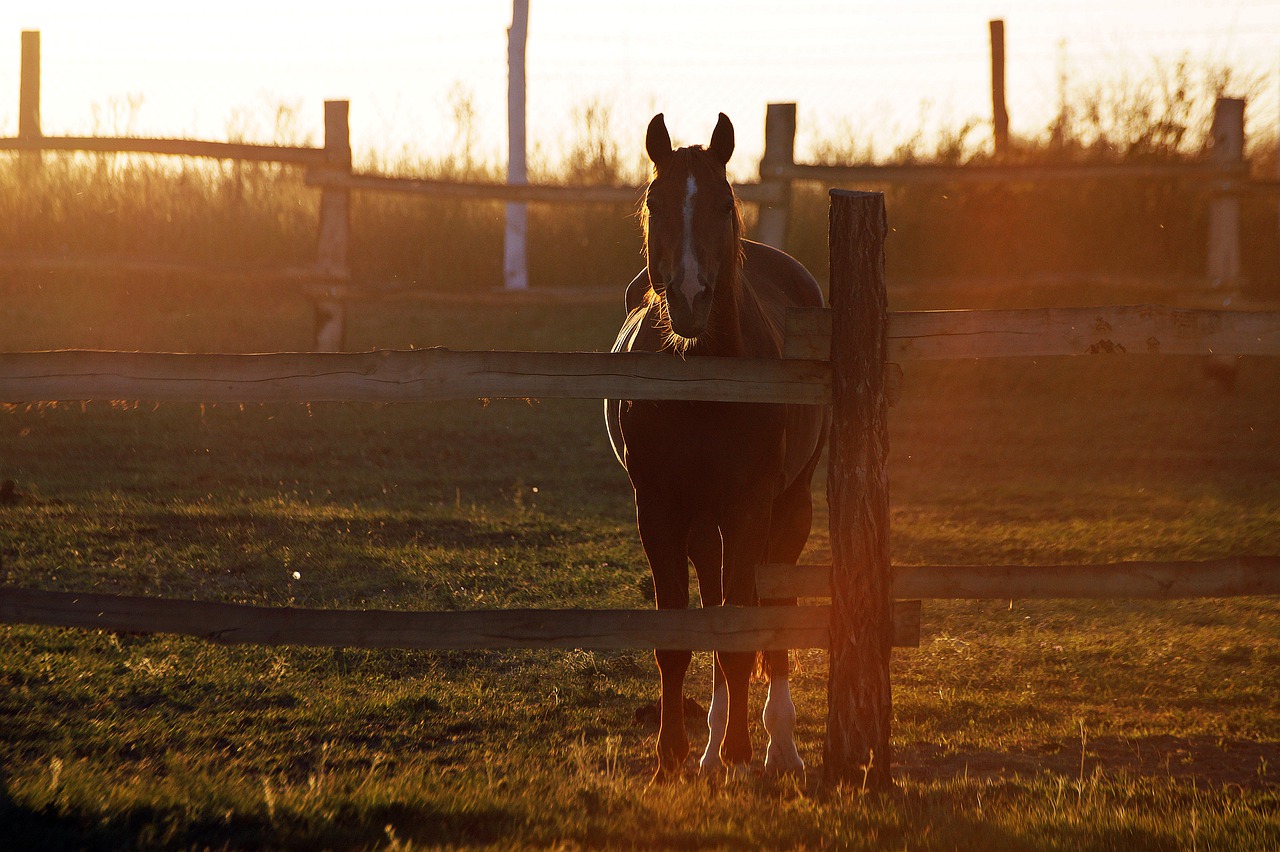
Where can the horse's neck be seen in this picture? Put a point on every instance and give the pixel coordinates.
(724, 333)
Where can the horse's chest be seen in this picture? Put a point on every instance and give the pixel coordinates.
(718, 450)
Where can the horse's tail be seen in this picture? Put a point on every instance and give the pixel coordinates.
(768, 661)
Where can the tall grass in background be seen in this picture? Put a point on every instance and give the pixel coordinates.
(246, 215)
(1123, 227)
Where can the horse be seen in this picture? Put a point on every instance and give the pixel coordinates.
(724, 485)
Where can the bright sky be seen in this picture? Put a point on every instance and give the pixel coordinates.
(886, 70)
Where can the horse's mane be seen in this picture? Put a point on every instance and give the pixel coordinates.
(768, 304)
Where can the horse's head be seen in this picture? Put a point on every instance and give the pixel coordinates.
(691, 225)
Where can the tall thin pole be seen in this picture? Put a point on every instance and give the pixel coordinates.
(515, 265)
(29, 99)
(999, 113)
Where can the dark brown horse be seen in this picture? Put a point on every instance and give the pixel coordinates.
(725, 485)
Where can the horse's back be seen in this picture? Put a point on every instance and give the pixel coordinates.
(779, 278)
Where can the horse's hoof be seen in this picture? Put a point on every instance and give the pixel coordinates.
(711, 768)
(784, 767)
(665, 776)
(710, 765)
(787, 774)
(740, 773)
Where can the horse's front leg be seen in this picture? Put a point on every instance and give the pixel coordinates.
(665, 541)
(745, 543)
(708, 559)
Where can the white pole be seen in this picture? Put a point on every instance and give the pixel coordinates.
(516, 273)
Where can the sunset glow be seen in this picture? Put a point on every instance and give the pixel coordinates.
(151, 67)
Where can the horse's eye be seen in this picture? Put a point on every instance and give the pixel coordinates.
(728, 207)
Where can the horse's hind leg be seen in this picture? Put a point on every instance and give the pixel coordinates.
(706, 552)
(789, 530)
(746, 538)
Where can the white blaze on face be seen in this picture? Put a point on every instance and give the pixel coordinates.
(690, 286)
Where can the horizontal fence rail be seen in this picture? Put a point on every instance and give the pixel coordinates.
(1133, 329)
(295, 155)
(494, 191)
(1222, 578)
(404, 376)
(925, 173)
(764, 192)
(278, 276)
(435, 374)
(723, 628)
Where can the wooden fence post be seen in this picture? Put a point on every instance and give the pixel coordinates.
(29, 101)
(859, 700)
(999, 112)
(779, 151)
(333, 248)
(1224, 209)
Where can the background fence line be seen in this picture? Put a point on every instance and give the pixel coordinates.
(328, 282)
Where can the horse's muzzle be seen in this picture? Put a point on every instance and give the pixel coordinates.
(689, 317)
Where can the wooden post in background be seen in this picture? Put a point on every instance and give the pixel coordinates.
(779, 150)
(859, 700)
(999, 113)
(1223, 259)
(333, 249)
(29, 101)
(1224, 209)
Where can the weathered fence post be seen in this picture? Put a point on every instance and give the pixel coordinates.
(1224, 209)
(999, 112)
(29, 101)
(333, 249)
(779, 152)
(859, 701)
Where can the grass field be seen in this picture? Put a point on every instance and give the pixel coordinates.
(1055, 725)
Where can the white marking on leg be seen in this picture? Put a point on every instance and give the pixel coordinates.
(718, 722)
(781, 757)
(690, 286)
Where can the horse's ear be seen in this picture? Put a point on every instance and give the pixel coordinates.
(657, 141)
(722, 140)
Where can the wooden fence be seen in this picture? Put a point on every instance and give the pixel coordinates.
(328, 281)
(839, 355)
